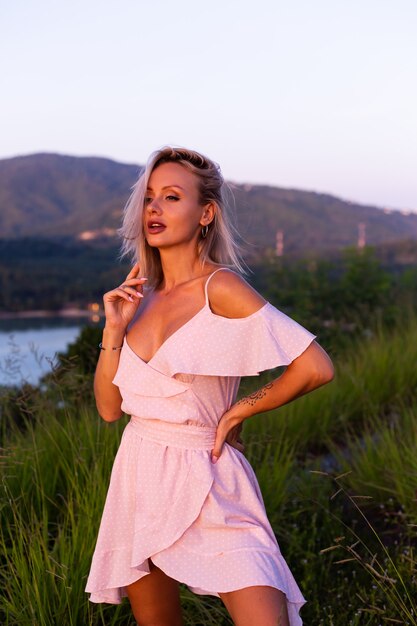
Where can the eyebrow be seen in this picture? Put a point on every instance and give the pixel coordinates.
(166, 187)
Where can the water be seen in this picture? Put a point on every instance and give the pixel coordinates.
(28, 346)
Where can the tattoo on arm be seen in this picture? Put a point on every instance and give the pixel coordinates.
(255, 396)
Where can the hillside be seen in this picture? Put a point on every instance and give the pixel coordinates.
(52, 195)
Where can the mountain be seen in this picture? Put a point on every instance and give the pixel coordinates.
(52, 195)
(316, 221)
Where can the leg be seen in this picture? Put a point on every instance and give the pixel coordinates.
(155, 599)
(256, 605)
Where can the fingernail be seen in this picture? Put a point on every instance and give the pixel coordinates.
(214, 458)
(130, 298)
(143, 278)
(140, 294)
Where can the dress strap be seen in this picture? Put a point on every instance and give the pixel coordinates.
(208, 280)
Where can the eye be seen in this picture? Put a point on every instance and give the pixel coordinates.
(171, 197)
(148, 200)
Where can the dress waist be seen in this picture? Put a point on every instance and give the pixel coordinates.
(177, 435)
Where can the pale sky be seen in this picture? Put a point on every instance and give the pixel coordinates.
(312, 94)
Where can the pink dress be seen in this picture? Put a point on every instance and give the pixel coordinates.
(203, 524)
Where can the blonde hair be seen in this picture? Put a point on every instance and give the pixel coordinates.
(219, 246)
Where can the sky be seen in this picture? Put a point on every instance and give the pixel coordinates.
(317, 95)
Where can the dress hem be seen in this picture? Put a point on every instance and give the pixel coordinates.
(293, 607)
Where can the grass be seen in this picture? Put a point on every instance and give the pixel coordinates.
(337, 470)
(372, 379)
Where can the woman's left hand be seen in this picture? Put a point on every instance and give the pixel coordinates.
(228, 429)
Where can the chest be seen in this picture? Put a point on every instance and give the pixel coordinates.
(157, 321)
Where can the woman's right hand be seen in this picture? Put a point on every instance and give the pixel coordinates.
(120, 304)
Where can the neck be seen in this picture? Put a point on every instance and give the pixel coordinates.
(179, 265)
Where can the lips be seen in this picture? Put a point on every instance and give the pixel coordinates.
(155, 226)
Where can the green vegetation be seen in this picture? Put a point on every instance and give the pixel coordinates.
(346, 538)
(337, 467)
(48, 274)
(344, 298)
(349, 288)
(50, 195)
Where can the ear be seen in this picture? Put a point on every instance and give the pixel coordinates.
(208, 213)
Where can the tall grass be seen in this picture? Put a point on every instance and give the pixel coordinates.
(55, 477)
(345, 538)
(374, 378)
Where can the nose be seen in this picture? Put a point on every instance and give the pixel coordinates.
(153, 206)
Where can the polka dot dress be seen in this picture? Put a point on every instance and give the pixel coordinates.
(203, 524)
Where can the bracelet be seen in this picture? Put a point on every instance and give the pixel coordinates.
(100, 345)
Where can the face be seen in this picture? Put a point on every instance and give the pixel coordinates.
(172, 205)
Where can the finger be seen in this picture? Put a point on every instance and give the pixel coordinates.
(134, 271)
(124, 294)
(217, 450)
(135, 281)
(132, 291)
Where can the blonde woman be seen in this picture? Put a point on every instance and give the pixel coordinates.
(184, 504)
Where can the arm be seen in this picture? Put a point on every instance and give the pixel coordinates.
(230, 296)
(107, 395)
(312, 369)
(120, 306)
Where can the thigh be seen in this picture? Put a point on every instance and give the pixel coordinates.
(155, 599)
(257, 605)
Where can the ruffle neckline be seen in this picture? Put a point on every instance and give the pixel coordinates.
(212, 345)
(205, 308)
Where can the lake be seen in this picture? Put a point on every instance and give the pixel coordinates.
(28, 346)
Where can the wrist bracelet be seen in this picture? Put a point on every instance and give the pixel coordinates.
(100, 345)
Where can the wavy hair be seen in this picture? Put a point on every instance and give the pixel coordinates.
(221, 243)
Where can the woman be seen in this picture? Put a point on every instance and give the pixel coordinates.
(184, 504)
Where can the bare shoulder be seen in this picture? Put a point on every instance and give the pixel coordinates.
(230, 295)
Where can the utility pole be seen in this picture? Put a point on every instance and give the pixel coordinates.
(361, 235)
(279, 248)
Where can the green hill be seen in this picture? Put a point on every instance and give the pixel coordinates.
(51, 195)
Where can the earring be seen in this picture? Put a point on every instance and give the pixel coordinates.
(204, 231)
